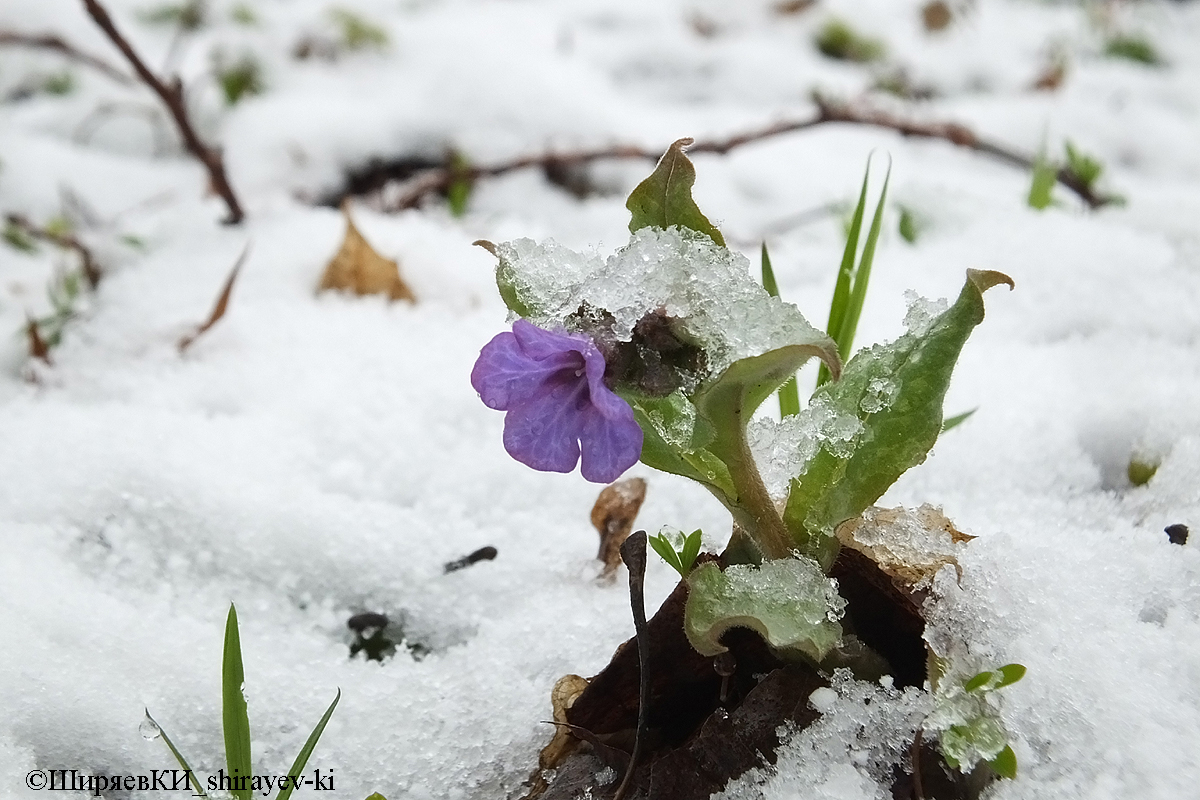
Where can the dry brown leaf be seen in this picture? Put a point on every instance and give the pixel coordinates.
(908, 544)
(220, 306)
(613, 515)
(562, 696)
(359, 268)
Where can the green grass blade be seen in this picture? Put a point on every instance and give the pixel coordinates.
(841, 290)
(306, 751)
(234, 717)
(862, 276)
(957, 419)
(178, 756)
(789, 393)
(768, 274)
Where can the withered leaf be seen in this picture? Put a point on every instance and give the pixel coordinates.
(613, 515)
(357, 267)
(220, 306)
(910, 545)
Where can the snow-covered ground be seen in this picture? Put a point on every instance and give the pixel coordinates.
(315, 456)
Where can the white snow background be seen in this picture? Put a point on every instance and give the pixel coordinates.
(315, 456)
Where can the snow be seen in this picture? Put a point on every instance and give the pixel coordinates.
(312, 457)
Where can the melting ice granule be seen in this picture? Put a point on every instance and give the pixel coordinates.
(879, 395)
(921, 312)
(149, 729)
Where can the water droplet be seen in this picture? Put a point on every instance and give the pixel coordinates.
(149, 729)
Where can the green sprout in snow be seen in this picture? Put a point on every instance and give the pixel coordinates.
(235, 721)
(676, 549)
(1133, 47)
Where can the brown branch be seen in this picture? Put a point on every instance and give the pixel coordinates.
(439, 179)
(48, 41)
(172, 97)
(91, 270)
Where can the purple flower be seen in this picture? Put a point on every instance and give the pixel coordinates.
(551, 383)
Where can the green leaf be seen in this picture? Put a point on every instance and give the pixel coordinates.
(850, 291)
(1010, 674)
(674, 440)
(691, 549)
(234, 717)
(1083, 166)
(459, 190)
(665, 198)
(728, 402)
(789, 602)
(897, 391)
(377, 796)
(666, 551)
(982, 679)
(789, 393)
(910, 226)
(1045, 175)
(178, 756)
(1005, 764)
(309, 746)
(1133, 48)
(957, 419)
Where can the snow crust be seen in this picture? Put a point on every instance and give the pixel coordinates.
(314, 457)
(720, 306)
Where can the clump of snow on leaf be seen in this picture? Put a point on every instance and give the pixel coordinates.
(863, 734)
(783, 449)
(682, 272)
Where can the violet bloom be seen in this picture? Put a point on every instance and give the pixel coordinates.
(551, 383)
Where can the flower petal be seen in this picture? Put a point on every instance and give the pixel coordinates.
(610, 444)
(506, 376)
(540, 343)
(544, 433)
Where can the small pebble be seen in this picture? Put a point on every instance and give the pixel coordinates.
(1178, 534)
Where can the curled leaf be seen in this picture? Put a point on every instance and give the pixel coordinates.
(220, 306)
(789, 602)
(357, 267)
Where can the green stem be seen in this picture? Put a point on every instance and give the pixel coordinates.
(754, 510)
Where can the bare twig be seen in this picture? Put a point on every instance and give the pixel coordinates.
(48, 41)
(439, 179)
(633, 552)
(220, 306)
(91, 270)
(172, 97)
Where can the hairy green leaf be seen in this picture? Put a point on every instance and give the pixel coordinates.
(728, 403)
(234, 717)
(788, 601)
(309, 746)
(896, 390)
(665, 198)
